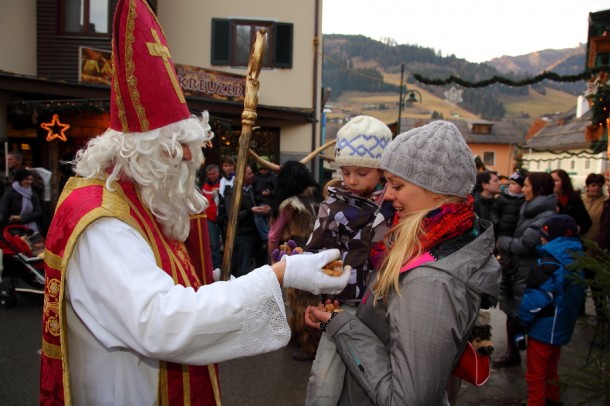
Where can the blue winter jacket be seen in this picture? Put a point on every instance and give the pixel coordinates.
(552, 299)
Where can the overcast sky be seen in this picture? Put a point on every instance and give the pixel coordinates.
(476, 30)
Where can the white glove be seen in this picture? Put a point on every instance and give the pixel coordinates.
(217, 273)
(304, 272)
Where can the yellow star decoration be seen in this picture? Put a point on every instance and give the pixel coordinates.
(55, 129)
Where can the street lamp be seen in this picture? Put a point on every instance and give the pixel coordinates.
(414, 96)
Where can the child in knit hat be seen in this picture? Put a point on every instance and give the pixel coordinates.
(420, 308)
(550, 307)
(354, 216)
(353, 219)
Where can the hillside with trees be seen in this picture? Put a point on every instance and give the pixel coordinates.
(360, 64)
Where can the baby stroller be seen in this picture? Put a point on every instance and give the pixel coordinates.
(23, 261)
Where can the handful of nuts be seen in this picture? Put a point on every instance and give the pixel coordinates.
(334, 268)
(328, 307)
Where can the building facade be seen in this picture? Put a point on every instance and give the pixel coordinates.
(54, 62)
(562, 144)
(494, 142)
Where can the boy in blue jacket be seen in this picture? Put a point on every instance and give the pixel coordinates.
(550, 306)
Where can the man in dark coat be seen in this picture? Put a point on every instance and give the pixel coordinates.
(484, 193)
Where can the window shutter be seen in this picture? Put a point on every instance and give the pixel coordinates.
(221, 42)
(283, 45)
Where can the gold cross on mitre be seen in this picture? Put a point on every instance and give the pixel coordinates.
(158, 49)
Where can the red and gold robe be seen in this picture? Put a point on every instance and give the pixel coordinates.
(82, 202)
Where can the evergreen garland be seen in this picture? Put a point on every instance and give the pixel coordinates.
(596, 147)
(61, 106)
(586, 75)
(568, 153)
(600, 104)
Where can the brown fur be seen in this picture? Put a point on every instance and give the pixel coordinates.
(308, 338)
(481, 339)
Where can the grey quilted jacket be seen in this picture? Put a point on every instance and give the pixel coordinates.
(401, 351)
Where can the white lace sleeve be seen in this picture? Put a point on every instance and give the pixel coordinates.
(126, 301)
(265, 328)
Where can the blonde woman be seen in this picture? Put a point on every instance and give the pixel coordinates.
(417, 313)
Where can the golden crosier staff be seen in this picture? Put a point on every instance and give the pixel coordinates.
(248, 117)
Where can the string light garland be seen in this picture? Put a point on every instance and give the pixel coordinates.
(600, 105)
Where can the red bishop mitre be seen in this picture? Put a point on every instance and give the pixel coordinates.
(145, 91)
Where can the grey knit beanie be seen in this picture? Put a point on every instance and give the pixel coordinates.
(361, 142)
(434, 157)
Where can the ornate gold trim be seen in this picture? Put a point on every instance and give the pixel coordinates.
(51, 350)
(118, 98)
(176, 265)
(214, 379)
(186, 385)
(132, 81)
(163, 384)
(52, 260)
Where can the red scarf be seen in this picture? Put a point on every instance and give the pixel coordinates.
(448, 221)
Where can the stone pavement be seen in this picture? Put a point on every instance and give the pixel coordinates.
(507, 387)
(276, 380)
(272, 379)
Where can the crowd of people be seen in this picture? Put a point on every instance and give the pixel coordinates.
(533, 223)
(540, 221)
(516, 209)
(135, 313)
(22, 196)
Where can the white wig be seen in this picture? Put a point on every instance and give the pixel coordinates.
(153, 160)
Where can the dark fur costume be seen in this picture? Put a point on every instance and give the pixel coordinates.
(303, 210)
(481, 339)
(303, 335)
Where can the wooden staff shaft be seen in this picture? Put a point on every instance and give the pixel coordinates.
(248, 118)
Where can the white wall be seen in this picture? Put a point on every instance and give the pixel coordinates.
(18, 36)
(187, 25)
(188, 30)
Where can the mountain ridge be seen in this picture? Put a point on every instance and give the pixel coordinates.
(360, 65)
(537, 61)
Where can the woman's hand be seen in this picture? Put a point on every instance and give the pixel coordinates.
(14, 219)
(315, 315)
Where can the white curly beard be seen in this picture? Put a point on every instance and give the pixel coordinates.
(153, 161)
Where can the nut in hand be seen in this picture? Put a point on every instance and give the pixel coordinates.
(334, 268)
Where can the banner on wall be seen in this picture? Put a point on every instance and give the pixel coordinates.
(95, 66)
